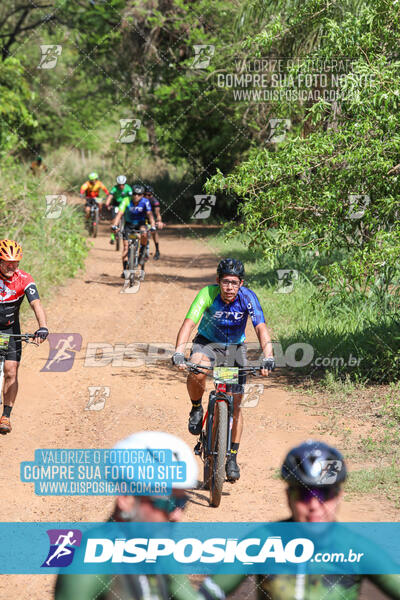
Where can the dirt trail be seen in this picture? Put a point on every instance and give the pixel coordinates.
(50, 410)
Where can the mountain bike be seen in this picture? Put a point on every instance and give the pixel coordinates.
(4, 343)
(214, 445)
(93, 217)
(136, 273)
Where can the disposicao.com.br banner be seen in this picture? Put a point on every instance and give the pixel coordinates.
(364, 548)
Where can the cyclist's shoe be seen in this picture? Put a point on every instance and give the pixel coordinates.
(112, 241)
(196, 420)
(157, 255)
(232, 469)
(142, 274)
(5, 424)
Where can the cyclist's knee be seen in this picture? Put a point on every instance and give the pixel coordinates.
(197, 377)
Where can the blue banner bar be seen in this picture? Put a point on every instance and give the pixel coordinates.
(322, 548)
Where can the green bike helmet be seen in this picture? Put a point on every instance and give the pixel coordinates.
(93, 176)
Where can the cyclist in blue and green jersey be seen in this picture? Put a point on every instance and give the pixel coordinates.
(223, 309)
(314, 494)
(117, 195)
(135, 211)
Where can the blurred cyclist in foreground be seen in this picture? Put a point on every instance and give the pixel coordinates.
(314, 473)
(141, 509)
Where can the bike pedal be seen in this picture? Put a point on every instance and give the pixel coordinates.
(197, 449)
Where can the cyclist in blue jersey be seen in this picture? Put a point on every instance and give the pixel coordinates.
(223, 309)
(135, 210)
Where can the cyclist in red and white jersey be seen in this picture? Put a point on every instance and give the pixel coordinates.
(15, 284)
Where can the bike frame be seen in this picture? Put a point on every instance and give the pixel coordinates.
(133, 245)
(94, 212)
(221, 393)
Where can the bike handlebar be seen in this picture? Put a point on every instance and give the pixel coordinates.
(197, 368)
(24, 337)
(21, 335)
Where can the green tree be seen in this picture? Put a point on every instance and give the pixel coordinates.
(332, 183)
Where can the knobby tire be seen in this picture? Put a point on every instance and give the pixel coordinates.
(217, 462)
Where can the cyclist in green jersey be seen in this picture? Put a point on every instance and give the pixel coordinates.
(118, 193)
(144, 509)
(314, 494)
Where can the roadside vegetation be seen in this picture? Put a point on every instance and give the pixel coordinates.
(54, 249)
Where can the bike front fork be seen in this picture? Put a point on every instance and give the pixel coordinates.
(212, 403)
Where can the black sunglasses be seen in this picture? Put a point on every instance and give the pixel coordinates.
(322, 494)
(169, 503)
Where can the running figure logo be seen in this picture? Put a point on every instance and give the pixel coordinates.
(327, 471)
(203, 207)
(98, 395)
(358, 204)
(54, 205)
(252, 394)
(63, 543)
(128, 129)
(63, 347)
(202, 55)
(278, 129)
(50, 54)
(286, 280)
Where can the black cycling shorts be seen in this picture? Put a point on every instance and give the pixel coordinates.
(130, 228)
(227, 355)
(15, 346)
(91, 201)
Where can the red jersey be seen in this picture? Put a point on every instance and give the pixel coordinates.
(12, 292)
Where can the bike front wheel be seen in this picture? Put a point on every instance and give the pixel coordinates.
(95, 221)
(216, 461)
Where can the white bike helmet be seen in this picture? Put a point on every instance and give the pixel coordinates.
(160, 440)
(121, 180)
